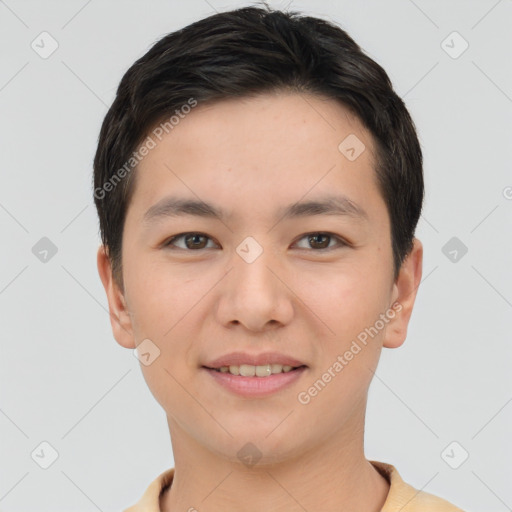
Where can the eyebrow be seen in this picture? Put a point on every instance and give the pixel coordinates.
(328, 205)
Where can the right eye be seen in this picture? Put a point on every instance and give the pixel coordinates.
(192, 241)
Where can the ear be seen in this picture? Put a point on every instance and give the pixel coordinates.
(120, 316)
(403, 296)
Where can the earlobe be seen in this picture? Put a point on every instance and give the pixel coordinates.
(404, 293)
(120, 318)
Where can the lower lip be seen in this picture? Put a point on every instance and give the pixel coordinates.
(254, 387)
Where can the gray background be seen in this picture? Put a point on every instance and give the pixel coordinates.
(65, 380)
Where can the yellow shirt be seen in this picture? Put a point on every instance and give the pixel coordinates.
(401, 496)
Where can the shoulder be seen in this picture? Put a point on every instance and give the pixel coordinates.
(150, 500)
(405, 498)
(427, 502)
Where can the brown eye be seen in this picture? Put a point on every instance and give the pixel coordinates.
(195, 241)
(192, 241)
(322, 241)
(319, 241)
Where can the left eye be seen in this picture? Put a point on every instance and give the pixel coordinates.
(322, 240)
(195, 241)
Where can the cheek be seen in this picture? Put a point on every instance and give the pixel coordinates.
(164, 311)
(162, 314)
(166, 383)
(350, 305)
(345, 301)
(159, 299)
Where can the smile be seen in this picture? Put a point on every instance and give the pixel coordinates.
(248, 370)
(255, 386)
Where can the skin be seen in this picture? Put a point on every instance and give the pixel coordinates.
(251, 157)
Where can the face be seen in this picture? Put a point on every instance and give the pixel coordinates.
(288, 252)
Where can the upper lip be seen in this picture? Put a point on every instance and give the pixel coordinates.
(239, 358)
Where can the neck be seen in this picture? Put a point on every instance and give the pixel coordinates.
(333, 476)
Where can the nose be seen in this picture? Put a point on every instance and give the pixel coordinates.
(256, 295)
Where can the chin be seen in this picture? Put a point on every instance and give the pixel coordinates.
(252, 448)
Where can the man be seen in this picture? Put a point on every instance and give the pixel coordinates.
(258, 184)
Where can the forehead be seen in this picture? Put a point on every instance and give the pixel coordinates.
(258, 151)
(274, 121)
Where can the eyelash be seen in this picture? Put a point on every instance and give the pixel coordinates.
(341, 242)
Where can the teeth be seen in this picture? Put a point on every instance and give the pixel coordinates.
(248, 370)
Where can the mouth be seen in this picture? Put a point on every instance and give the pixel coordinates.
(254, 375)
(249, 370)
(253, 382)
